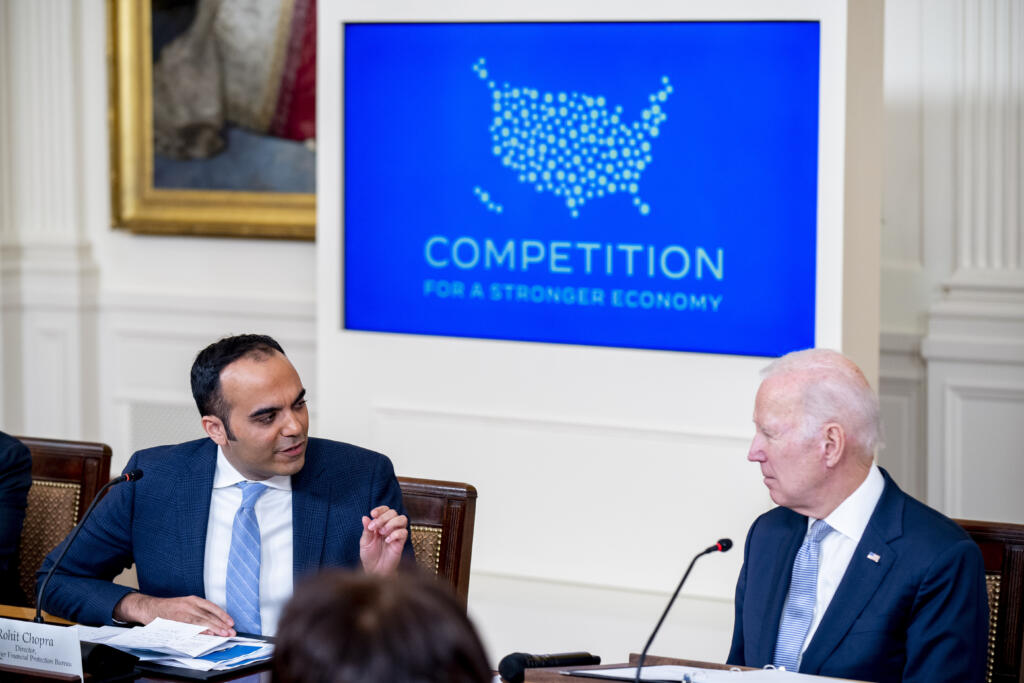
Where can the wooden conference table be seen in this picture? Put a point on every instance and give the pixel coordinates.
(551, 675)
(532, 675)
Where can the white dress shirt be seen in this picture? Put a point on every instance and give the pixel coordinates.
(848, 522)
(274, 514)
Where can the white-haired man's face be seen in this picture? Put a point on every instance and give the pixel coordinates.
(791, 462)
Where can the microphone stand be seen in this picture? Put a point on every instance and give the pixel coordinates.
(722, 546)
(127, 476)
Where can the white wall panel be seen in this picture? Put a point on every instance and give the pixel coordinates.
(158, 423)
(982, 436)
(902, 235)
(606, 622)
(990, 416)
(550, 488)
(49, 391)
(902, 398)
(905, 277)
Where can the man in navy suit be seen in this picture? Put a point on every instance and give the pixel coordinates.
(885, 588)
(15, 481)
(320, 503)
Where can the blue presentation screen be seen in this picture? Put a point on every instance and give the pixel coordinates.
(645, 185)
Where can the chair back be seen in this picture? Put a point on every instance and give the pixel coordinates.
(1002, 546)
(441, 516)
(66, 475)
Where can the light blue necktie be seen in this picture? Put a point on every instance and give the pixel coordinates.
(243, 578)
(803, 591)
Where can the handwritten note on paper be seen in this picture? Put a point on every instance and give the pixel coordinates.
(171, 637)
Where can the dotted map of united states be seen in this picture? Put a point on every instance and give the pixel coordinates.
(573, 145)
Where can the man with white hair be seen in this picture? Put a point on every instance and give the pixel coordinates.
(849, 577)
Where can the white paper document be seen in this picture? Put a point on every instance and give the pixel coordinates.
(170, 637)
(172, 643)
(670, 673)
(661, 672)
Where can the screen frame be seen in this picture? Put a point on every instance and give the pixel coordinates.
(828, 305)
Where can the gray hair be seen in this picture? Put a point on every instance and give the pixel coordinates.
(834, 391)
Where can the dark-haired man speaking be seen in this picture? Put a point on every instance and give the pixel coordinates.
(220, 528)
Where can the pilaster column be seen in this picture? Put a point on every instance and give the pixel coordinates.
(47, 273)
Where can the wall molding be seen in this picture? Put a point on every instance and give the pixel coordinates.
(189, 303)
(58, 277)
(976, 331)
(538, 423)
(900, 356)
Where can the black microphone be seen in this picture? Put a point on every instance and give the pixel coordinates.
(722, 546)
(513, 667)
(134, 475)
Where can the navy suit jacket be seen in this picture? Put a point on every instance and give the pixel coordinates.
(920, 613)
(15, 481)
(159, 523)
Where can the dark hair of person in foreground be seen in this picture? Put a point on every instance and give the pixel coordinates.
(351, 627)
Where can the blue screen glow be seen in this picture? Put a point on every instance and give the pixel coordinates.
(645, 185)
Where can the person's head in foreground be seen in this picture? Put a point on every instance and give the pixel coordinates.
(351, 627)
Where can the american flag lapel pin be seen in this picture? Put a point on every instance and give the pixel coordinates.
(874, 557)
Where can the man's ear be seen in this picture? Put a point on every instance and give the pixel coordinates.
(214, 427)
(833, 443)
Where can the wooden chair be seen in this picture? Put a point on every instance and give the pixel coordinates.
(441, 516)
(66, 475)
(1002, 546)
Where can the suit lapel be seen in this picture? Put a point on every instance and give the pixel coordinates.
(779, 578)
(311, 493)
(862, 578)
(194, 490)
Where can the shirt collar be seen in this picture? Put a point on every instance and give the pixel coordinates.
(226, 475)
(852, 516)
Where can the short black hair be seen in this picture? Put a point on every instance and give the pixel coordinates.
(344, 626)
(210, 361)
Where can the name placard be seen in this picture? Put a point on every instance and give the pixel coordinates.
(42, 647)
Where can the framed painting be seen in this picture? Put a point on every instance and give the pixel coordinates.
(213, 117)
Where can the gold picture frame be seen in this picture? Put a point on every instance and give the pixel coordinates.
(136, 204)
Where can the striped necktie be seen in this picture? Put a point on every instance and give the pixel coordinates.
(803, 591)
(243, 577)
